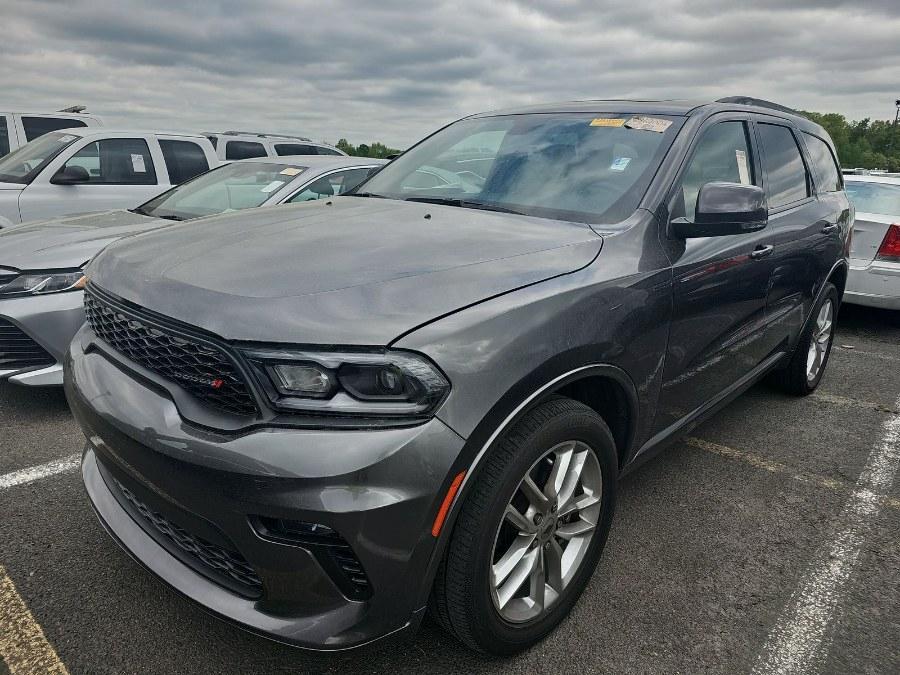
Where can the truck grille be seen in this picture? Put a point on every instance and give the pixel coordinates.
(18, 351)
(199, 367)
(228, 568)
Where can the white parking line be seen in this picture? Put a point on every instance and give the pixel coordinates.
(797, 644)
(34, 473)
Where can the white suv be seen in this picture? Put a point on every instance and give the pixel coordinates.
(18, 128)
(234, 145)
(81, 170)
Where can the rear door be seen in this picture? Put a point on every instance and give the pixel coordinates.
(805, 220)
(719, 304)
(123, 174)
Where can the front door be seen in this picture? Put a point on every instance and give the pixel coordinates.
(121, 175)
(720, 283)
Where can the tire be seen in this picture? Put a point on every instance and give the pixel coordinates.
(795, 378)
(465, 601)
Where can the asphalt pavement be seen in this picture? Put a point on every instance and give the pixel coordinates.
(737, 549)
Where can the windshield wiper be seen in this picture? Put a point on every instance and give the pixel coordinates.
(465, 203)
(364, 194)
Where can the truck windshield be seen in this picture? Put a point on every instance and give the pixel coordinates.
(591, 168)
(242, 185)
(23, 165)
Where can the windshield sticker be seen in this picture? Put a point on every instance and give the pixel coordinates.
(743, 167)
(291, 171)
(137, 163)
(620, 164)
(271, 187)
(648, 124)
(607, 122)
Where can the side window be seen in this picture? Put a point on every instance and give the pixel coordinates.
(336, 183)
(787, 181)
(326, 151)
(183, 159)
(116, 161)
(38, 126)
(244, 150)
(4, 136)
(826, 166)
(722, 155)
(214, 140)
(282, 149)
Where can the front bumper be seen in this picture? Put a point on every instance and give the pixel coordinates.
(376, 490)
(874, 284)
(50, 321)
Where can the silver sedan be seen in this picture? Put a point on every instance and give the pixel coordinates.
(874, 277)
(40, 263)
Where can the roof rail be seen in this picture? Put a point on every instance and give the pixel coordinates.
(259, 135)
(758, 102)
(73, 109)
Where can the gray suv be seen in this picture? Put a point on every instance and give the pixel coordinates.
(320, 421)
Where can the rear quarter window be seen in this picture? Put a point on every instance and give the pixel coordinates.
(825, 164)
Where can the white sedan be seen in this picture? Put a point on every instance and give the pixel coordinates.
(874, 277)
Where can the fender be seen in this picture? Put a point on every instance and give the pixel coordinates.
(842, 262)
(509, 410)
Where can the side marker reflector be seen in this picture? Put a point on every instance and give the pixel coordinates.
(445, 505)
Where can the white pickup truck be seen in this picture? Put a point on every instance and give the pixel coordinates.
(95, 169)
(18, 128)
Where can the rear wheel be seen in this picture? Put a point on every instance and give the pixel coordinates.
(807, 366)
(530, 532)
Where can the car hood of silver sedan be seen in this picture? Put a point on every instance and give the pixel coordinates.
(68, 242)
(349, 270)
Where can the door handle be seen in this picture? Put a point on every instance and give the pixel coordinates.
(761, 252)
(828, 229)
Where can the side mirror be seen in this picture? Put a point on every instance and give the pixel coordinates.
(71, 175)
(723, 209)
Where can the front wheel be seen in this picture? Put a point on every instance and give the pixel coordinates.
(530, 533)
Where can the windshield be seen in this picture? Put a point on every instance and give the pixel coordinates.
(25, 163)
(242, 185)
(579, 167)
(880, 198)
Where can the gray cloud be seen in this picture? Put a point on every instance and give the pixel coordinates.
(395, 70)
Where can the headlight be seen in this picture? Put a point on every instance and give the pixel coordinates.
(388, 383)
(41, 283)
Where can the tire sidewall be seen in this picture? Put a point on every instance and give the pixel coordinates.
(495, 633)
(830, 293)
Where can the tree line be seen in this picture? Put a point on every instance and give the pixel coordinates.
(374, 150)
(867, 144)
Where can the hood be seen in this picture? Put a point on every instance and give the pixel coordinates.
(68, 242)
(347, 271)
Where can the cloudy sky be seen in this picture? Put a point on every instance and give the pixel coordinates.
(393, 70)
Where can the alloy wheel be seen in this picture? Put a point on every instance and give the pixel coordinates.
(819, 341)
(546, 531)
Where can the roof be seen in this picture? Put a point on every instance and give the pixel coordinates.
(857, 178)
(316, 161)
(672, 107)
(104, 131)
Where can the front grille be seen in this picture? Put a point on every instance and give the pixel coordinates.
(18, 351)
(219, 564)
(201, 368)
